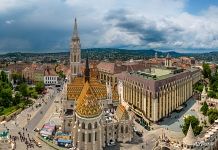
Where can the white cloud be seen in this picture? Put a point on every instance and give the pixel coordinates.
(113, 23)
(9, 21)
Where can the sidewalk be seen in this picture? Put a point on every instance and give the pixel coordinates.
(21, 119)
(51, 110)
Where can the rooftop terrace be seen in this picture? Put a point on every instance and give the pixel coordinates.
(157, 73)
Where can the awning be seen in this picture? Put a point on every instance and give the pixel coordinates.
(64, 141)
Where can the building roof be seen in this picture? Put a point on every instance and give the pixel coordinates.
(109, 67)
(114, 68)
(115, 95)
(154, 84)
(49, 72)
(190, 137)
(74, 89)
(87, 104)
(121, 113)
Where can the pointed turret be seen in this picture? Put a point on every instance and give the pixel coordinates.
(155, 55)
(204, 94)
(75, 53)
(75, 31)
(190, 137)
(87, 70)
(204, 91)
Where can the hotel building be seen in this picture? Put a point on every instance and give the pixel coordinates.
(154, 93)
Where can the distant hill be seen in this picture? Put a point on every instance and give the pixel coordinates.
(118, 54)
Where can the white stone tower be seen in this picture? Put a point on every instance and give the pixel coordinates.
(155, 55)
(168, 61)
(204, 94)
(189, 140)
(75, 53)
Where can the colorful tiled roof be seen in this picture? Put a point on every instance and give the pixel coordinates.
(87, 104)
(121, 113)
(74, 89)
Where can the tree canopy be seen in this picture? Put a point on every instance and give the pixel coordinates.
(195, 125)
(39, 87)
(204, 108)
(212, 115)
(206, 70)
(23, 88)
(198, 86)
(4, 77)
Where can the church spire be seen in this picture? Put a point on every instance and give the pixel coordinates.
(87, 70)
(75, 30)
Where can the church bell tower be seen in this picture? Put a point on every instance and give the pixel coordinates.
(75, 53)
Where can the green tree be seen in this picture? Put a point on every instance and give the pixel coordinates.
(61, 75)
(204, 108)
(34, 95)
(195, 125)
(206, 70)
(212, 115)
(212, 94)
(198, 86)
(4, 77)
(40, 87)
(23, 88)
(17, 98)
(6, 97)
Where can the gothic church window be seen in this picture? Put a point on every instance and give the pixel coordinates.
(83, 125)
(89, 126)
(96, 125)
(121, 129)
(126, 129)
(75, 58)
(90, 137)
(95, 136)
(83, 137)
(74, 69)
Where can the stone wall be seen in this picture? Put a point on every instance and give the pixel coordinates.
(9, 117)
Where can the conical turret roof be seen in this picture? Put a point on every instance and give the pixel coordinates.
(75, 31)
(190, 137)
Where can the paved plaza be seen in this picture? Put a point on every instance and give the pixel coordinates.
(176, 120)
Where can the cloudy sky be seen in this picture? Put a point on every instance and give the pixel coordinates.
(46, 25)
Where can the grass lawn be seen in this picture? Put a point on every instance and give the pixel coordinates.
(9, 110)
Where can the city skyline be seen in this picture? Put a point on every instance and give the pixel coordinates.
(184, 26)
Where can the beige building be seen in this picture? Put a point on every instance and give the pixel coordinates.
(155, 93)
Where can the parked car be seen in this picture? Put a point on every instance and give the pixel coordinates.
(36, 129)
(139, 134)
(134, 129)
(37, 143)
(110, 143)
(137, 120)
